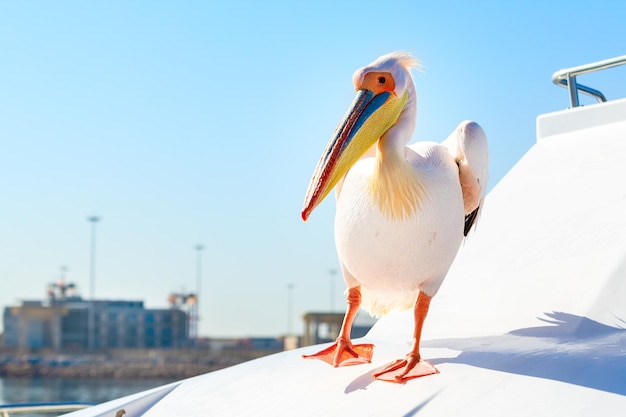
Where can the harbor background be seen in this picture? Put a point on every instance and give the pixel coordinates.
(96, 377)
(45, 389)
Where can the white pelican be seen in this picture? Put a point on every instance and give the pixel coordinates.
(402, 211)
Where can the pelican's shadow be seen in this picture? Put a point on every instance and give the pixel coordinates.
(572, 349)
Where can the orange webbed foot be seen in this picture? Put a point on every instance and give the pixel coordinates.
(344, 353)
(403, 370)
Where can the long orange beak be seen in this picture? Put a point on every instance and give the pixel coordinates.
(367, 119)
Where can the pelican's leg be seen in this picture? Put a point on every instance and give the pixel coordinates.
(413, 366)
(343, 352)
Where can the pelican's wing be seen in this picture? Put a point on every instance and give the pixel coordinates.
(468, 147)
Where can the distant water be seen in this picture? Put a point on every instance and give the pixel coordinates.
(21, 390)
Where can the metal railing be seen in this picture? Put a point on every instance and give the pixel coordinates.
(7, 410)
(567, 78)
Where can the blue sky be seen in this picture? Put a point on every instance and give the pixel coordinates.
(195, 122)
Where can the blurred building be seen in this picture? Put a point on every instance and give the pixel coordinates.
(63, 323)
(325, 327)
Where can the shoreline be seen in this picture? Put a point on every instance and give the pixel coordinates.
(123, 364)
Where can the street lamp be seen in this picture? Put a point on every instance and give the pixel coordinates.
(92, 281)
(290, 288)
(332, 272)
(199, 248)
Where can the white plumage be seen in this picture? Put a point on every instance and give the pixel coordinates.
(393, 259)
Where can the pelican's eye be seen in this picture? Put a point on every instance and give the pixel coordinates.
(378, 82)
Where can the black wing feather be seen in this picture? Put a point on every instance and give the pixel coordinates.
(470, 219)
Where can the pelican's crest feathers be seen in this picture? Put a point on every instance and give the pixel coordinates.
(387, 62)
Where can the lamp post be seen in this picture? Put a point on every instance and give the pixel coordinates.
(199, 248)
(92, 281)
(332, 272)
(290, 288)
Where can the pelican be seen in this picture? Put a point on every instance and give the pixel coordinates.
(402, 211)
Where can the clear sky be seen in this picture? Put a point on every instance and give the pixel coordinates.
(201, 122)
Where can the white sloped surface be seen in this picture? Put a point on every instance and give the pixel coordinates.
(552, 238)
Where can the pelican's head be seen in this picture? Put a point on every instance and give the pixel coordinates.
(382, 93)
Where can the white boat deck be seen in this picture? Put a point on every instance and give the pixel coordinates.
(530, 320)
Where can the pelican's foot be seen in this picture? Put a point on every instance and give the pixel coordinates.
(403, 370)
(344, 353)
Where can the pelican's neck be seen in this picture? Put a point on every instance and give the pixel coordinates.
(397, 187)
(398, 136)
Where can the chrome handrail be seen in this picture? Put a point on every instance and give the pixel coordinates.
(7, 410)
(567, 78)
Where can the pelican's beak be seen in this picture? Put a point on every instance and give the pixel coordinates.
(367, 119)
